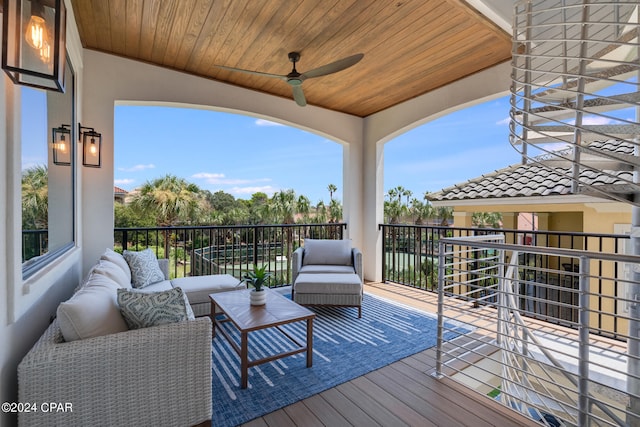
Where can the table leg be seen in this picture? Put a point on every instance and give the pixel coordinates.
(244, 359)
(212, 315)
(309, 342)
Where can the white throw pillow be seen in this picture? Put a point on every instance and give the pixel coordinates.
(144, 309)
(116, 258)
(91, 312)
(144, 268)
(332, 252)
(113, 272)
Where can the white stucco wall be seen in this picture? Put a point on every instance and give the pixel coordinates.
(26, 306)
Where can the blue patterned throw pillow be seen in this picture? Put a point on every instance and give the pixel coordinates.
(145, 309)
(144, 268)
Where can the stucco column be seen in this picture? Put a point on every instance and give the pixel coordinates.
(462, 219)
(373, 207)
(510, 222)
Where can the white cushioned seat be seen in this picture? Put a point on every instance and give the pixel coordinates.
(163, 285)
(328, 284)
(198, 288)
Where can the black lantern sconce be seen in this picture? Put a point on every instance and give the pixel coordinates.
(61, 145)
(33, 42)
(91, 146)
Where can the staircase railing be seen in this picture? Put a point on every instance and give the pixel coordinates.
(555, 375)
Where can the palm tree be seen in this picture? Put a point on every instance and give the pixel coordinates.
(487, 219)
(303, 206)
(321, 213)
(332, 189)
(171, 200)
(284, 208)
(35, 198)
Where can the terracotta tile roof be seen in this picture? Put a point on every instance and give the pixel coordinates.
(117, 190)
(533, 180)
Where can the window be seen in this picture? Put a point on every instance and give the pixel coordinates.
(48, 196)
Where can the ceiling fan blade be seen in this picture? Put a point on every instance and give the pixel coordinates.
(298, 95)
(257, 73)
(334, 67)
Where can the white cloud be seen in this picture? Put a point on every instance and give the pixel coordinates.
(208, 176)
(504, 121)
(137, 168)
(263, 122)
(267, 189)
(123, 181)
(219, 179)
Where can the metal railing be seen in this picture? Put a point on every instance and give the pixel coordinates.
(556, 374)
(34, 243)
(202, 250)
(410, 257)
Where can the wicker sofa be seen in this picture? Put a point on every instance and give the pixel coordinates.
(327, 272)
(158, 375)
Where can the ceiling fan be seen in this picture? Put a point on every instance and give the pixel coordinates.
(295, 79)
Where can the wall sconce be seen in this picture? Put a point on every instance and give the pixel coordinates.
(91, 146)
(33, 42)
(61, 145)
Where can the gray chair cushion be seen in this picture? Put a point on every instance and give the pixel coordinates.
(328, 284)
(333, 252)
(324, 269)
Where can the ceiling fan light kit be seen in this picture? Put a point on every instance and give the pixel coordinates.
(295, 79)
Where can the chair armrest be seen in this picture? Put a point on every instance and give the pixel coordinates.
(296, 263)
(163, 263)
(356, 256)
(153, 376)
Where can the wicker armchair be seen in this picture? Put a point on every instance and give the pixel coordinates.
(157, 376)
(327, 272)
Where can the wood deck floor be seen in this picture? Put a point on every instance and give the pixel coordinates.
(403, 393)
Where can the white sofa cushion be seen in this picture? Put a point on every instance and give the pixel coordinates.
(144, 267)
(198, 288)
(335, 252)
(142, 309)
(118, 259)
(113, 272)
(165, 285)
(92, 311)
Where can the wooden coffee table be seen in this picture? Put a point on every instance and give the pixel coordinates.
(277, 311)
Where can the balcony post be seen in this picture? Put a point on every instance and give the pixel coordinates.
(440, 337)
(583, 347)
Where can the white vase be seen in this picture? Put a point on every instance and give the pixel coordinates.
(258, 297)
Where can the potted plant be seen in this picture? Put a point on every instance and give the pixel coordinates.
(257, 278)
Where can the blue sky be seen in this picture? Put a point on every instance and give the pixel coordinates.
(241, 155)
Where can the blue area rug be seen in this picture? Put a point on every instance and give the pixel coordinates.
(344, 347)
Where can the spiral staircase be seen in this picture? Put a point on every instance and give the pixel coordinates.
(575, 95)
(575, 106)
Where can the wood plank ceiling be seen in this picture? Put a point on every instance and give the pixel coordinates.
(411, 46)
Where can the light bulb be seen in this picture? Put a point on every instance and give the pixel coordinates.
(36, 32)
(45, 52)
(92, 147)
(62, 146)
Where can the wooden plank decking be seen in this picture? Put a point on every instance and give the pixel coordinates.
(403, 393)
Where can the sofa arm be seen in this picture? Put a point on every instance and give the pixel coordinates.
(153, 376)
(163, 263)
(296, 263)
(356, 256)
